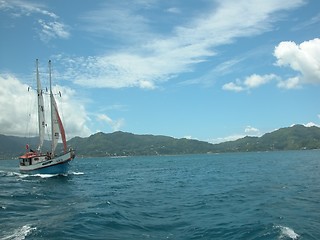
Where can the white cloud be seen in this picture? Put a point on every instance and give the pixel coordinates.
(22, 8)
(227, 139)
(290, 83)
(50, 27)
(151, 58)
(117, 71)
(18, 106)
(311, 124)
(54, 29)
(255, 80)
(248, 131)
(188, 137)
(250, 82)
(114, 124)
(231, 86)
(252, 130)
(227, 66)
(303, 58)
(14, 111)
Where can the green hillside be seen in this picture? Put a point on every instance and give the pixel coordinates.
(297, 137)
(128, 144)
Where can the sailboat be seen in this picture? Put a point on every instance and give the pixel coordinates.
(38, 161)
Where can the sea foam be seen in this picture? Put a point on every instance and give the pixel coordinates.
(287, 232)
(77, 173)
(20, 233)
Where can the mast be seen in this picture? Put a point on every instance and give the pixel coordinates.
(41, 119)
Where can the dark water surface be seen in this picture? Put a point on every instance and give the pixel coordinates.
(272, 195)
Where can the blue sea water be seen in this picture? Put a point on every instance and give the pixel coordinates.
(269, 195)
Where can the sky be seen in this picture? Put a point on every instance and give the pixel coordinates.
(212, 70)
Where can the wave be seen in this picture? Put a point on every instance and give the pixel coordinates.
(55, 175)
(286, 232)
(9, 173)
(37, 175)
(27, 175)
(76, 173)
(46, 175)
(20, 233)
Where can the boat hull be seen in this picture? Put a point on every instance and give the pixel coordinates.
(44, 165)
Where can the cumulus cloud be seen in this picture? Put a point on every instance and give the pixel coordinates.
(311, 124)
(303, 58)
(252, 130)
(248, 131)
(114, 124)
(18, 109)
(249, 82)
(290, 83)
(231, 86)
(257, 80)
(14, 112)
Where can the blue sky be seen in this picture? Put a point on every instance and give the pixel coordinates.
(201, 69)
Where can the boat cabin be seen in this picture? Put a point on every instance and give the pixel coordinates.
(31, 158)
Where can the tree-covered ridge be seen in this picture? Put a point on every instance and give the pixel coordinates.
(128, 144)
(297, 137)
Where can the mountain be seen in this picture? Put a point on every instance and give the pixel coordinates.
(297, 137)
(120, 143)
(12, 147)
(128, 144)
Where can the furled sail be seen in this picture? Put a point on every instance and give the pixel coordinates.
(41, 119)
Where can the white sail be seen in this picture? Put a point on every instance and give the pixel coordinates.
(41, 119)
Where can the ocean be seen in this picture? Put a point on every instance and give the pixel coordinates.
(265, 195)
